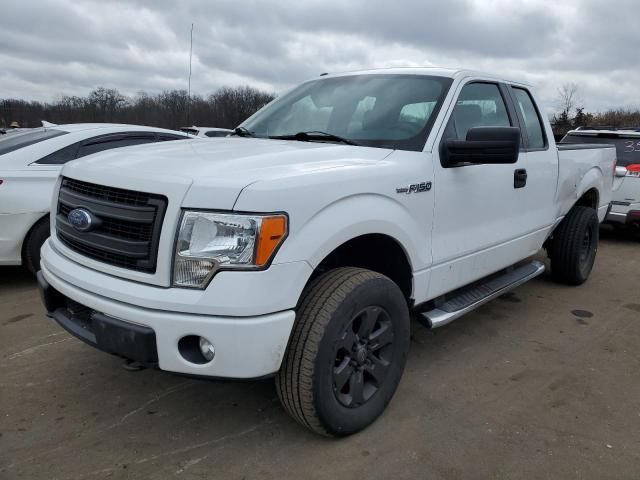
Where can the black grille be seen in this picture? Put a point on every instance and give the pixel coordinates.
(127, 224)
(108, 194)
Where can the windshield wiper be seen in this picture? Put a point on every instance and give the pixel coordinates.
(242, 132)
(314, 136)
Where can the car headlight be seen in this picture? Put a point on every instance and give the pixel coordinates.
(210, 241)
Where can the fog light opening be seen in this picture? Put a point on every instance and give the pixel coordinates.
(196, 349)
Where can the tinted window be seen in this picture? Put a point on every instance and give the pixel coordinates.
(165, 137)
(627, 149)
(479, 105)
(114, 141)
(11, 143)
(213, 133)
(391, 111)
(63, 155)
(531, 118)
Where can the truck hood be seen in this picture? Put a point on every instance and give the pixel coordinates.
(214, 172)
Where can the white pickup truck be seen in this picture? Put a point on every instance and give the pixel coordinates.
(300, 247)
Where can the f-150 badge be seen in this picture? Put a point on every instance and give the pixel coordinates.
(415, 188)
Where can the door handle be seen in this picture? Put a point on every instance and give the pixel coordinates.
(519, 178)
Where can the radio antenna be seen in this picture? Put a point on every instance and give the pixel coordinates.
(189, 88)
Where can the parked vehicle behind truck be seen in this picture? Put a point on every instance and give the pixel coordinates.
(625, 204)
(30, 163)
(300, 247)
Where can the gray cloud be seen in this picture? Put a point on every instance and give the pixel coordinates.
(54, 47)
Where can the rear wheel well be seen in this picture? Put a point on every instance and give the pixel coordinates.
(377, 252)
(589, 199)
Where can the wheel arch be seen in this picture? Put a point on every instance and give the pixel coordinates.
(590, 198)
(378, 252)
(23, 242)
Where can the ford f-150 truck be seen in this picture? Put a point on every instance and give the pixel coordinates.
(300, 247)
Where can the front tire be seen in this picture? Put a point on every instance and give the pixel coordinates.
(574, 246)
(347, 351)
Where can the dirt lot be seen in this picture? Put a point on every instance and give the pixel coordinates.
(542, 383)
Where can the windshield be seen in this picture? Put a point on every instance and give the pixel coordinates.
(17, 141)
(627, 149)
(389, 111)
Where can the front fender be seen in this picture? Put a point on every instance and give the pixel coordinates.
(351, 217)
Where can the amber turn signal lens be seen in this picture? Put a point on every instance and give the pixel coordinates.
(272, 233)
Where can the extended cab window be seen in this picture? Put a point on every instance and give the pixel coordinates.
(531, 118)
(479, 105)
(388, 111)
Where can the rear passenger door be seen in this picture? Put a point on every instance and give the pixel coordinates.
(537, 199)
(479, 224)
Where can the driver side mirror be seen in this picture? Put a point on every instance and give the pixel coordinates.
(484, 145)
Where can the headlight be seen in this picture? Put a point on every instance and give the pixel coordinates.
(209, 241)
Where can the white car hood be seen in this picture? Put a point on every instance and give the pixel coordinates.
(214, 172)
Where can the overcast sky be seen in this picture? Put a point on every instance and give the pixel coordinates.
(50, 48)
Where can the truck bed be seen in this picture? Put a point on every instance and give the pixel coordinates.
(578, 166)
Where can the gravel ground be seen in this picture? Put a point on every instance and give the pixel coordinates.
(541, 383)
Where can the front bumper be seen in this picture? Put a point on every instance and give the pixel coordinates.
(246, 347)
(127, 340)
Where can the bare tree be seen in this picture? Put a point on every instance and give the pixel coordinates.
(567, 98)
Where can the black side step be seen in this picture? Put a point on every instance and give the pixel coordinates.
(469, 299)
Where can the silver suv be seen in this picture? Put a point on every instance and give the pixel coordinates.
(625, 205)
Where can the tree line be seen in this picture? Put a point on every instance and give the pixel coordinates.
(225, 108)
(229, 106)
(571, 114)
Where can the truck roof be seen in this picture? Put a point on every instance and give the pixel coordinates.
(434, 71)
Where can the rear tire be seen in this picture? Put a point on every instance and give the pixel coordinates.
(33, 243)
(347, 351)
(574, 246)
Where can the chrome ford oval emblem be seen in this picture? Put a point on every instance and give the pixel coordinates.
(80, 219)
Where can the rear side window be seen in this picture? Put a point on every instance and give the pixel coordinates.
(60, 157)
(114, 141)
(165, 137)
(99, 144)
(479, 105)
(24, 140)
(627, 149)
(531, 118)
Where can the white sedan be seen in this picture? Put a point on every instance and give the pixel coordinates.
(29, 166)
